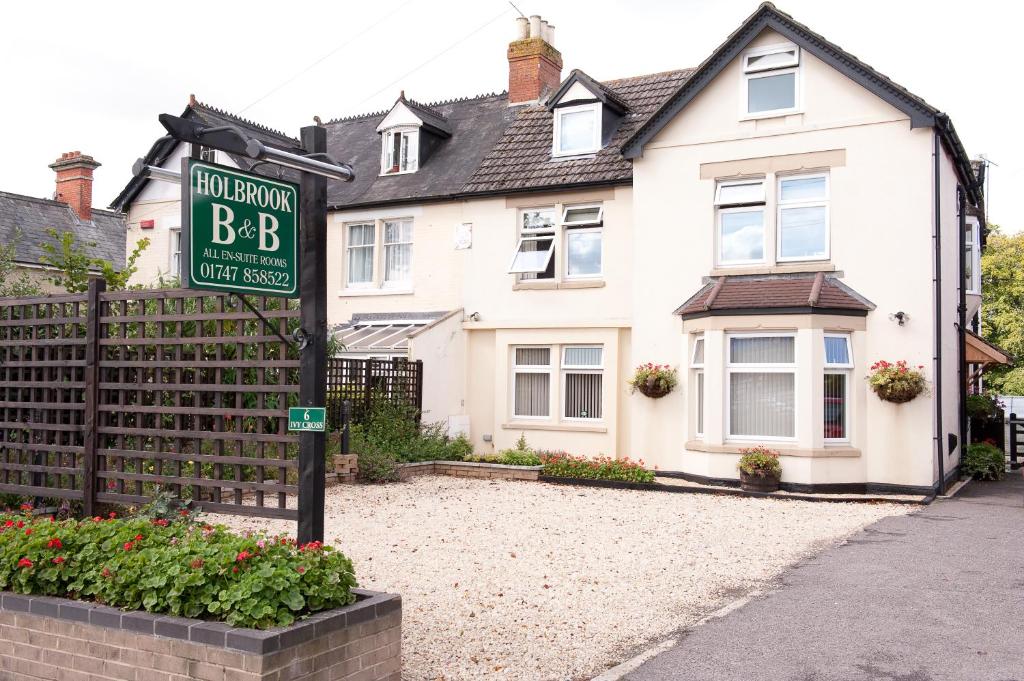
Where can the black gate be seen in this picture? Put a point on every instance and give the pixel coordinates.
(1016, 437)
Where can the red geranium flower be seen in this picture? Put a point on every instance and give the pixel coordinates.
(127, 546)
(58, 560)
(112, 515)
(197, 563)
(26, 507)
(242, 556)
(24, 563)
(28, 531)
(138, 537)
(54, 544)
(21, 524)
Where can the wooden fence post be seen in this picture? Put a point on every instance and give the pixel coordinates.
(91, 381)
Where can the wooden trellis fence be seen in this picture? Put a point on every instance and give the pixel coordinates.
(362, 381)
(106, 396)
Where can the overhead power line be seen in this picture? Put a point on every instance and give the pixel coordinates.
(330, 54)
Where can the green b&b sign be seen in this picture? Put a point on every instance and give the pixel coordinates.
(242, 232)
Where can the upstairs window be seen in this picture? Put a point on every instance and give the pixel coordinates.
(400, 152)
(577, 130)
(583, 236)
(803, 217)
(397, 253)
(534, 256)
(360, 245)
(771, 80)
(972, 256)
(741, 229)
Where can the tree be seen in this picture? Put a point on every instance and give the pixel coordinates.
(14, 280)
(1003, 311)
(74, 264)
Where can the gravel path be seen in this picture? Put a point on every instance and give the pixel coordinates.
(521, 580)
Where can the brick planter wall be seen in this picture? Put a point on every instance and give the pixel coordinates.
(63, 640)
(465, 469)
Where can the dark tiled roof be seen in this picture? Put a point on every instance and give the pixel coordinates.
(430, 116)
(163, 147)
(521, 159)
(25, 221)
(780, 294)
(475, 124)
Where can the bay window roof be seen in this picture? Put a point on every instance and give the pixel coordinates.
(778, 294)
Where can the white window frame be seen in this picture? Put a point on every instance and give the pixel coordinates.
(512, 269)
(541, 233)
(566, 222)
(753, 368)
(974, 286)
(844, 369)
(566, 369)
(556, 139)
(718, 236)
(594, 226)
(411, 139)
(697, 367)
(750, 73)
(175, 251)
(397, 283)
(373, 259)
(517, 369)
(720, 184)
(813, 203)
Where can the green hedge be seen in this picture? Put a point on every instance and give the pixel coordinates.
(984, 462)
(176, 567)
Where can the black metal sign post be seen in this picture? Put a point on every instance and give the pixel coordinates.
(313, 366)
(315, 165)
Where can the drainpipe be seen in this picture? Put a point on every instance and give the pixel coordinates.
(961, 336)
(937, 282)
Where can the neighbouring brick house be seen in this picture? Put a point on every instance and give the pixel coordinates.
(532, 247)
(25, 221)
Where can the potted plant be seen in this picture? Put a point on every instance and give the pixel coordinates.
(760, 470)
(653, 380)
(897, 382)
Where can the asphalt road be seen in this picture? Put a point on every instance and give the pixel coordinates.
(936, 595)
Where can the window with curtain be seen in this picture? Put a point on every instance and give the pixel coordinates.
(397, 252)
(761, 386)
(838, 366)
(582, 371)
(740, 218)
(697, 364)
(531, 378)
(361, 238)
(803, 217)
(399, 151)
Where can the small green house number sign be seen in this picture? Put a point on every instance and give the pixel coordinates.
(307, 419)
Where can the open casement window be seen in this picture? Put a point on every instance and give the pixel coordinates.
(531, 382)
(359, 248)
(697, 365)
(972, 256)
(397, 253)
(761, 386)
(400, 153)
(583, 241)
(582, 381)
(771, 80)
(577, 130)
(535, 250)
(803, 218)
(740, 220)
(838, 368)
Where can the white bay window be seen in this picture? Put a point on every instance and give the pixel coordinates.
(838, 366)
(761, 386)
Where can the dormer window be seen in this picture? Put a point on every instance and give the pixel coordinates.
(577, 130)
(771, 80)
(400, 152)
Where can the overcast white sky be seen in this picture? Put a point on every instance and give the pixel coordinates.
(94, 76)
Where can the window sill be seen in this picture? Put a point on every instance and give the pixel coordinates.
(546, 285)
(836, 451)
(356, 292)
(778, 113)
(787, 268)
(570, 427)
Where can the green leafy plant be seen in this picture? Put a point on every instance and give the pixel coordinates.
(14, 280)
(173, 566)
(983, 406)
(984, 461)
(760, 461)
(377, 465)
(564, 465)
(390, 433)
(73, 263)
(896, 382)
(653, 380)
(509, 457)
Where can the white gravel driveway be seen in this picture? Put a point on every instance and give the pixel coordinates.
(525, 580)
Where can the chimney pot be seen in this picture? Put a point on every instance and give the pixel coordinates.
(522, 28)
(535, 26)
(74, 182)
(534, 65)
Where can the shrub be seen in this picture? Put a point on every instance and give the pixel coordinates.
(896, 382)
(390, 431)
(563, 465)
(984, 462)
(983, 406)
(760, 461)
(376, 465)
(176, 567)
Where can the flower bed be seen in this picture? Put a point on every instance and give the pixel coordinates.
(176, 567)
(563, 465)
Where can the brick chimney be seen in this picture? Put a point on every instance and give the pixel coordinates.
(534, 65)
(74, 182)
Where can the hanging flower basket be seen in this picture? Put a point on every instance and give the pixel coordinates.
(653, 380)
(896, 383)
